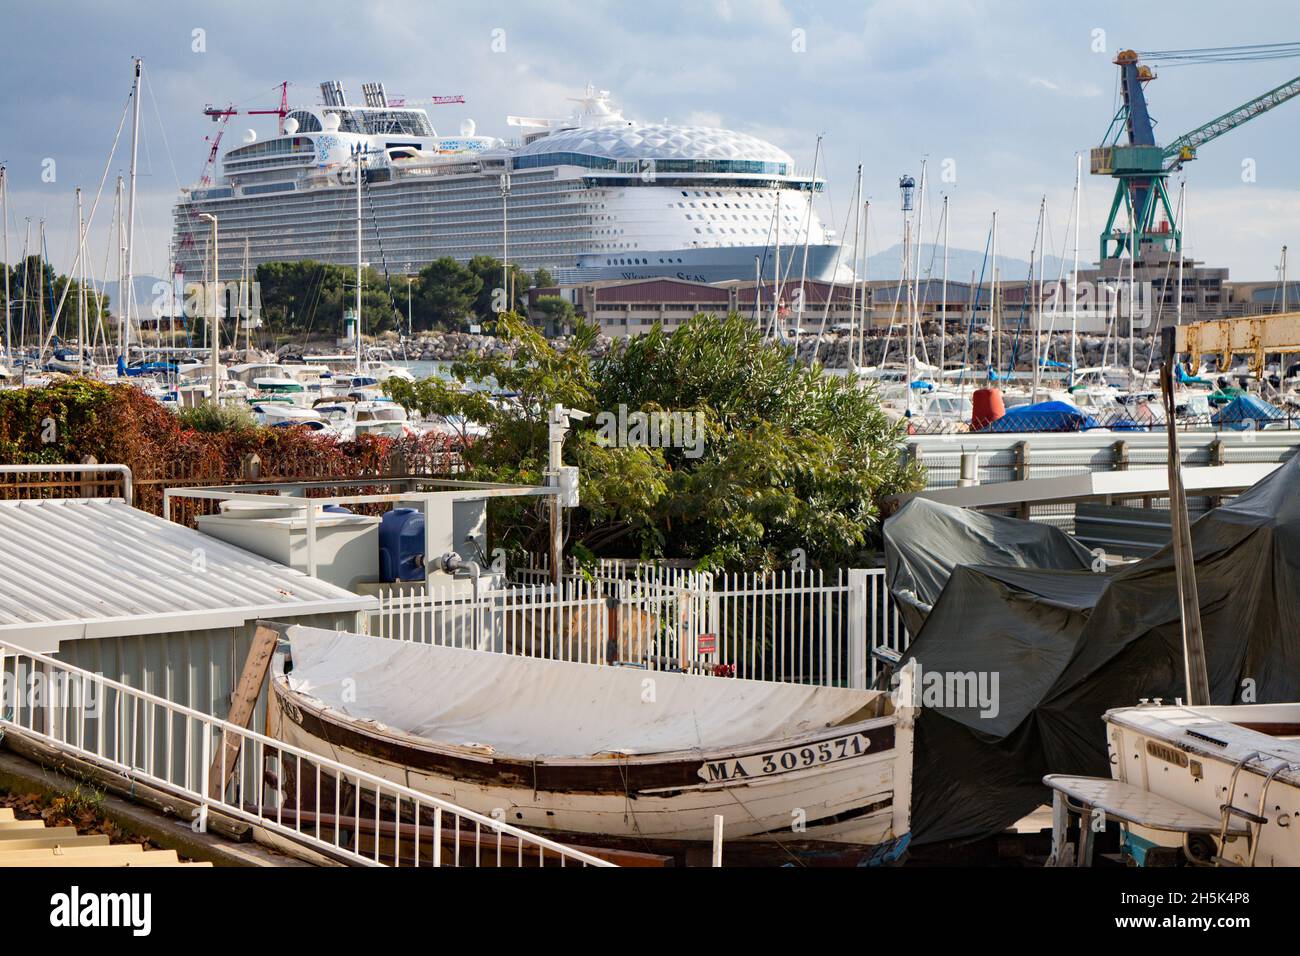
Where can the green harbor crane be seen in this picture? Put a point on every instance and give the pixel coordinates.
(1141, 167)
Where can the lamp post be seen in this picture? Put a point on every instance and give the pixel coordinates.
(215, 383)
(505, 240)
(410, 326)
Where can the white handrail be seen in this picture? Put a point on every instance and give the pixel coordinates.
(77, 721)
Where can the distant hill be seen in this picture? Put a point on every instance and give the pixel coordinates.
(144, 293)
(961, 263)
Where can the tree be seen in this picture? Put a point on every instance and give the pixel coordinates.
(490, 299)
(446, 294)
(557, 314)
(542, 279)
(784, 456)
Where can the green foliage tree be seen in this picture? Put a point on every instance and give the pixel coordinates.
(789, 457)
(446, 294)
(557, 314)
(542, 279)
(490, 299)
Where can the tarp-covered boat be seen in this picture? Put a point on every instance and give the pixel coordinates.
(632, 756)
(1068, 646)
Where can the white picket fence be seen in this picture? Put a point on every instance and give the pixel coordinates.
(790, 626)
(220, 767)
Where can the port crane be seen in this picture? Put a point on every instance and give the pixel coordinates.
(1142, 167)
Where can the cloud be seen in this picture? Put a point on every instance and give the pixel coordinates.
(1010, 91)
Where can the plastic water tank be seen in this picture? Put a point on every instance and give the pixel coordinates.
(401, 545)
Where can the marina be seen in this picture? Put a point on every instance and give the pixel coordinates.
(668, 464)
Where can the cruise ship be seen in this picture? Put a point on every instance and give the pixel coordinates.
(592, 197)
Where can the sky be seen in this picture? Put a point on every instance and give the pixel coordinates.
(997, 96)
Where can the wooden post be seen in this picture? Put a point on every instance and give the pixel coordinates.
(1218, 457)
(247, 691)
(250, 467)
(612, 605)
(397, 465)
(88, 482)
(1022, 473)
(1198, 681)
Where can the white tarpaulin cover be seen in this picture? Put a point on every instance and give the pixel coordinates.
(523, 706)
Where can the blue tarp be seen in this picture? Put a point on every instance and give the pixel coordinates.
(1247, 410)
(1043, 417)
(1185, 379)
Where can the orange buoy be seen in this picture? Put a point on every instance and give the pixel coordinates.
(986, 408)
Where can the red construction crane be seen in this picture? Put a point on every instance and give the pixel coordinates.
(447, 100)
(230, 111)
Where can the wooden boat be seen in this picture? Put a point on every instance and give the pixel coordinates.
(618, 756)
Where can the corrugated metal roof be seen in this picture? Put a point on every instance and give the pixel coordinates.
(82, 568)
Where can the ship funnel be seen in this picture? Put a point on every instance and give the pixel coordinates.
(374, 94)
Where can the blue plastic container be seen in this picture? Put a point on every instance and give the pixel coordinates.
(401, 545)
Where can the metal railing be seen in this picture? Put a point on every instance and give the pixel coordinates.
(222, 768)
(63, 481)
(1137, 420)
(789, 626)
(655, 621)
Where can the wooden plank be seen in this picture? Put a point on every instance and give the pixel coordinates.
(30, 842)
(50, 832)
(17, 857)
(247, 691)
(6, 814)
(22, 824)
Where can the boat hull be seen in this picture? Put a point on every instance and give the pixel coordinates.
(636, 801)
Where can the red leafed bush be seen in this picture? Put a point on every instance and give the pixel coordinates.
(68, 421)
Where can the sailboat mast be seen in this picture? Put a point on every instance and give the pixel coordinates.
(27, 283)
(1284, 278)
(920, 250)
(81, 287)
(244, 305)
(995, 343)
(121, 272)
(4, 213)
(807, 227)
(1132, 293)
(907, 306)
(1182, 236)
(128, 293)
(40, 279)
(776, 284)
(943, 307)
(866, 265)
(1036, 272)
(357, 322)
(1074, 290)
(857, 268)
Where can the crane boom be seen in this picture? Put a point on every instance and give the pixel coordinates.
(1184, 147)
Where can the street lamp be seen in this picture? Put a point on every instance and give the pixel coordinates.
(214, 386)
(505, 241)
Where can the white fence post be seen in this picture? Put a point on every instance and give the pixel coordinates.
(859, 652)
